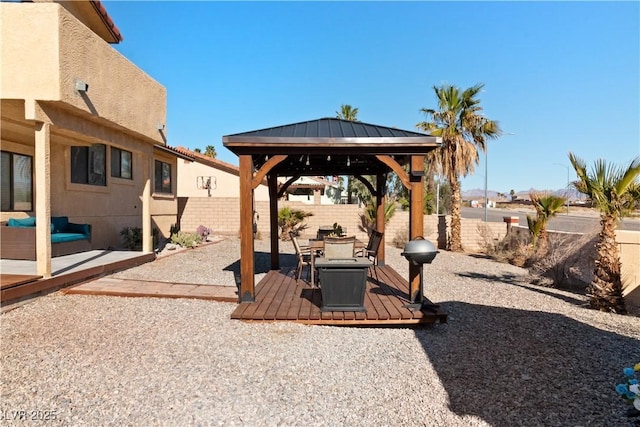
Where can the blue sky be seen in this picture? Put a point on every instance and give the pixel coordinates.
(559, 76)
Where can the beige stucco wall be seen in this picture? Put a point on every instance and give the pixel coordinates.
(107, 208)
(45, 49)
(227, 184)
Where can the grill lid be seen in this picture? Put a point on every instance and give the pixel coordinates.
(419, 251)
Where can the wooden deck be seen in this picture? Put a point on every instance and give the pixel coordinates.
(18, 285)
(152, 289)
(280, 298)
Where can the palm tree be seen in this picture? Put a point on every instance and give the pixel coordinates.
(210, 151)
(615, 192)
(347, 112)
(547, 206)
(464, 130)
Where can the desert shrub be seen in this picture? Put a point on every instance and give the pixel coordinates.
(512, 249)
(132, 238)
(203, 232)
(489, 243)
(186, 240)
(568, 263)
(400, 239)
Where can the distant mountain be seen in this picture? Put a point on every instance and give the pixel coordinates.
(478, 194)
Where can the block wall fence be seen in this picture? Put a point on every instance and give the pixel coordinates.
(222, 215)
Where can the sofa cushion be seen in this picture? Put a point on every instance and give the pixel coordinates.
(59, 224)
(67, 237)
(25, 222)
(79, 228)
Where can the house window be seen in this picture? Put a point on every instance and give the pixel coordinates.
(89, 164)
(16, 182)
(162, 177)
(121, 163)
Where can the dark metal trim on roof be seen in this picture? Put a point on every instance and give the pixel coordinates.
(326, 130)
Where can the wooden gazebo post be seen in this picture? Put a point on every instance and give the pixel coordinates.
(247, 265)
(381, 201)
(416, 221)
(272, 181)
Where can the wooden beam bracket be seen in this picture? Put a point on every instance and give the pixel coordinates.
(265, 169)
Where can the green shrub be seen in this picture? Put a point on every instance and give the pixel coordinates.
(132, 238)
(186, 240)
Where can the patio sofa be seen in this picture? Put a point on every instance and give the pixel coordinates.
(18, 238)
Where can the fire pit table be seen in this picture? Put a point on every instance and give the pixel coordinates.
(342, 283)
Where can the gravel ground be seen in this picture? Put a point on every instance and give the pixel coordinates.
(511, 354)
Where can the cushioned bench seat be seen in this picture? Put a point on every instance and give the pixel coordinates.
(67, 237)
(18, 238)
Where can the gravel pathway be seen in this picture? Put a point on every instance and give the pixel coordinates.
(512, 354)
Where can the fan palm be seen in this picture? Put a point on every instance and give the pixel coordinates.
(347, 112)
(547, 206)
(615, 192)
(464, 131)
(210, 151)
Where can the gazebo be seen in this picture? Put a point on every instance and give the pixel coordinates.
(326, 146)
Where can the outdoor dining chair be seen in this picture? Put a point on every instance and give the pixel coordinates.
(371, 251)
(339, 247)
(303, 254)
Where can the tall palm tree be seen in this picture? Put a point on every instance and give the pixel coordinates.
(615, 192)
(547, 206)
(464, 131)
(347, 112)
(210, 151)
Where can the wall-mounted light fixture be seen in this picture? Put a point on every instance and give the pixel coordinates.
(160, 126)
(82, 86)
(307, 163)
(329, 158)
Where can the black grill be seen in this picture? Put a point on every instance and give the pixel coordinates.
(420, 251)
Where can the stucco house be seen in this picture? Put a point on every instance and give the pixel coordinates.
(82, 127)
(315, 190)
(208, 194)
(205, 176)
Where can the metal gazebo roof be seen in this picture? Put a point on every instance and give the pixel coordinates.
(330, 146)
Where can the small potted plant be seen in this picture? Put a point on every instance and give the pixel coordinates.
(337, 230)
